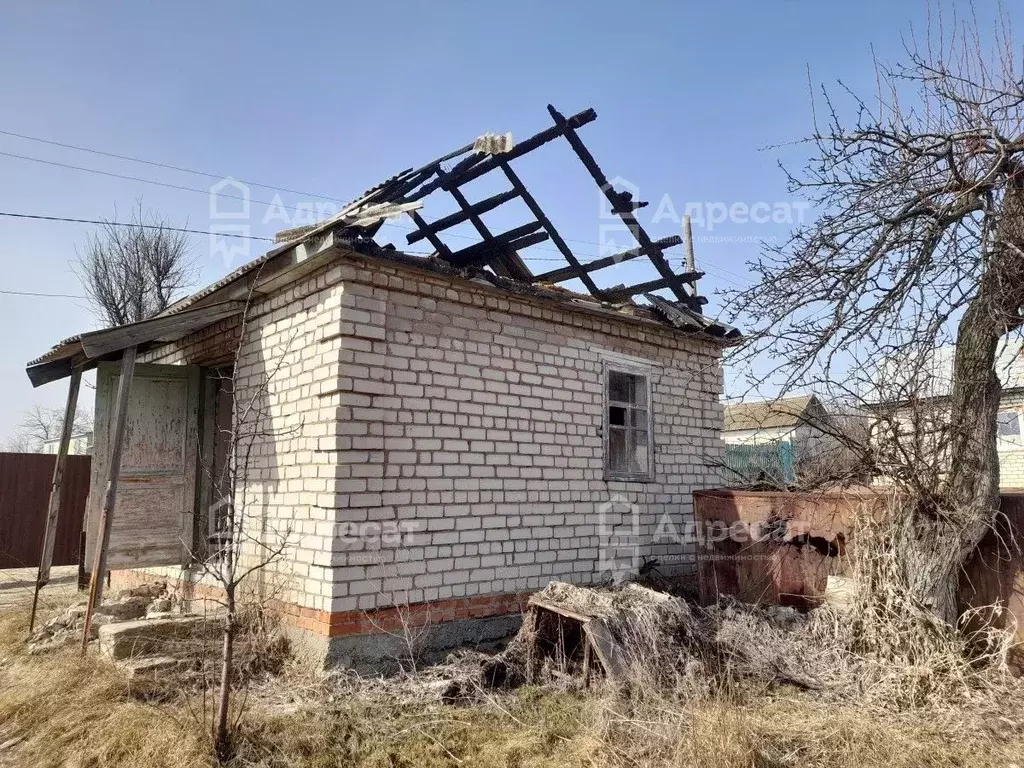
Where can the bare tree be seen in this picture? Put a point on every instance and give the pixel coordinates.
(245, 544)
(919, 241)
(40, 424)
(132, 271)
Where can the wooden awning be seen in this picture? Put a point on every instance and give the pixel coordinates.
(85, 351)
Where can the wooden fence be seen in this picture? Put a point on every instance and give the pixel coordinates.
(25, 480)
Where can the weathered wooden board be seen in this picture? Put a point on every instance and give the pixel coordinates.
(153, 522)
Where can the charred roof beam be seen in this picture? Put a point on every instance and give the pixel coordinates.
(567, 273)
(480, 253)
(556, 238)
(622, 205)
(624, 292)
(459, 217)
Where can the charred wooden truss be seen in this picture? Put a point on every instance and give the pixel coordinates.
(500, 251)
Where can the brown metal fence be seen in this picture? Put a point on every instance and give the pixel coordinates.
(25, 480)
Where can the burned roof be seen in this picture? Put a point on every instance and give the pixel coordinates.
(494, 257)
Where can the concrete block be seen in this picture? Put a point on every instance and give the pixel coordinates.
(147, 666)
(171, 636)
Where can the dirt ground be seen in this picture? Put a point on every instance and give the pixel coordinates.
(17, 584)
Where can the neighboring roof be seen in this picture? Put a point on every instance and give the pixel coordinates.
(771, 414)
(495, 258)
(930, 375)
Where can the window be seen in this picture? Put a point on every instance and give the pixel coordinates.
(1008, 427)
(628, 454)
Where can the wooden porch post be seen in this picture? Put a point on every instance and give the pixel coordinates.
(99, 563)
(53, 509)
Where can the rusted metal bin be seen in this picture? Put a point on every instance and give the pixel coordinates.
(776, 547)
(995, 574)
(803, 538)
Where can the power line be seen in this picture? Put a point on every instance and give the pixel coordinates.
(40, 217)
(184, 188)
(102, 222)
(156, 164)
(209, 174)
(111, 174)
(43, 295)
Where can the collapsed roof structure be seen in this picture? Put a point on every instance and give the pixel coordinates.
(494, 257)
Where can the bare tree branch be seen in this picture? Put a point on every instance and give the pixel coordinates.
(133, 272)
(919, 242)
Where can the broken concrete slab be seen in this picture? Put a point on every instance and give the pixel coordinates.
(170, 636)
(151, 590)
(126, 608)
(147, 666)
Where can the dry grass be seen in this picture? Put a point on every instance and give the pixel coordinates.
(74, 711)
(70, 711)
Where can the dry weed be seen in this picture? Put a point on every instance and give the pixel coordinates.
(726, 686)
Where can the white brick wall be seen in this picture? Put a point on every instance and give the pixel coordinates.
(1011, 452)
(1011, 457)
(473, 419)
(461, 422)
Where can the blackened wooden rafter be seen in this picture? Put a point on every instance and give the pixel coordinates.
(535, 209)
(485, 163)
(479, 253)
(443, 250)
(567, 273)
(500, 252)
(507, 261)
(460, 216)
(626, 292)
(623, 206)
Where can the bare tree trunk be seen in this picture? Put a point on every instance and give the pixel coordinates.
(222, 736)
(949, 534)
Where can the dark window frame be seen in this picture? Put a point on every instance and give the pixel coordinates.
(1013, 438)
(643, 372)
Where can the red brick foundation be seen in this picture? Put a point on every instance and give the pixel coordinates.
(345, 623)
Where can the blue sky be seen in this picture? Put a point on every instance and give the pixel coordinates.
(329, 98)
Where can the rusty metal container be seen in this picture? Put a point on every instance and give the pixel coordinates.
(806, 542)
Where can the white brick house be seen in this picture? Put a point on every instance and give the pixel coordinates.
(440, 442)
(928, 420)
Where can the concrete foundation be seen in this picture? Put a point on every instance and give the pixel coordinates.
(385, 652)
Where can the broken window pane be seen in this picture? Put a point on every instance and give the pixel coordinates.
(619, 386)
(1009, 425)
(616, 416)
(628, 424)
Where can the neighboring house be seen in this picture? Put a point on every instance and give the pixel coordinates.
(81, 445)
(771, 440)
(440, 434)
(919, 394)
